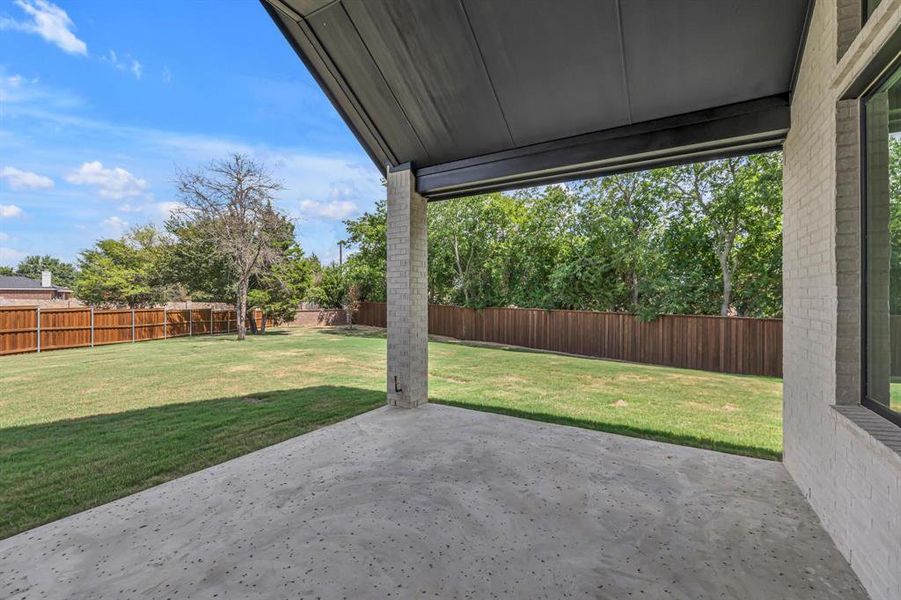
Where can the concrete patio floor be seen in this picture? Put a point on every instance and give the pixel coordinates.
(444, 502)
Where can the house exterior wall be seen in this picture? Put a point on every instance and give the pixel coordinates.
(35, 294)
(845, 459)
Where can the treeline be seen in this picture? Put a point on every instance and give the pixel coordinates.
(226, 243)
(696, 239)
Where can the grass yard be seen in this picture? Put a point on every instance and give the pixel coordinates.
(82, 427)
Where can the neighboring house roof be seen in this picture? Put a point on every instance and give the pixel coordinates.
(16, 282)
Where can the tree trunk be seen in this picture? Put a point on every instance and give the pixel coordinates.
(241, 310)
(461, 272)
(633, 280)
(726, 269)
(727, 283)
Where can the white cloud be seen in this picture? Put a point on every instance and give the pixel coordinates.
(18, 179)
(10, 256)
(3, 236)
(158, 210)
(116, 183)
(114, 226)
(48, 21)
(22, 95)
(9, 211)
(333, 209)
(167, 75)
(165, 209)
(128, 63)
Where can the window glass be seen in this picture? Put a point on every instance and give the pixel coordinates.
(870, 6)
(883, 244)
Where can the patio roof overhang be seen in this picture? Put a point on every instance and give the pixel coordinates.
(480, 96)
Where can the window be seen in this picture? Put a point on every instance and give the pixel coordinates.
(882, 248)
(868, 7)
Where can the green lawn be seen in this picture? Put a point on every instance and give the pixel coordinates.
(82, 427)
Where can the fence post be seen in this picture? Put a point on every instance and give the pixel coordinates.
(38, 313)
(211, 320)
(165, 322)
(132, 326)
(92, 327)
(190, 322)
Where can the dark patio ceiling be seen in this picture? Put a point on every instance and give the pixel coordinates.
(482, 95)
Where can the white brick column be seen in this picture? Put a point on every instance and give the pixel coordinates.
(408, 322)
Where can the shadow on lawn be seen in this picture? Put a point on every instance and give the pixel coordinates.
(51, 470)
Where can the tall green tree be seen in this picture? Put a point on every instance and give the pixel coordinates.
(697, 239)
(63, 273)
(366, 267)
(730, 197)
(279, 290)
(329, 287)
(126, 271)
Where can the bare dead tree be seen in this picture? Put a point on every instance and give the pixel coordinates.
(230, 204)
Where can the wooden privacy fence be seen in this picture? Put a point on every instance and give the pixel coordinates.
(33, 329)
(708, 343)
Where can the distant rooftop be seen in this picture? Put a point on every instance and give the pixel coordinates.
(17, 282)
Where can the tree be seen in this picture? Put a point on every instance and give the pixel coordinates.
(894, 169)
(366, 267)
(467, 250)
(125, 272)
(613, 252)
(279, 291)
(8, 271)
(728, 195)
(329, 288)
(351, 303)
(63, 273)
(230, 202)
(698, 239)
(193, 262)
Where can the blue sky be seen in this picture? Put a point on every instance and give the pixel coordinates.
(101, 101)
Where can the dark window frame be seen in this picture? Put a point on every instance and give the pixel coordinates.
(866, 10)
(865, 401)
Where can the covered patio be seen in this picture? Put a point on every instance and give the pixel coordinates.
(444, 502)
(453, 98)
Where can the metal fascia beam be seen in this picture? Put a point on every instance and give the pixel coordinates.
(712, 133)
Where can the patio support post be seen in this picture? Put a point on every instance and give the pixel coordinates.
(408, 351)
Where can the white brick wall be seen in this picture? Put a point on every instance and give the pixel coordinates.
(851, 477)
(408, 316)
